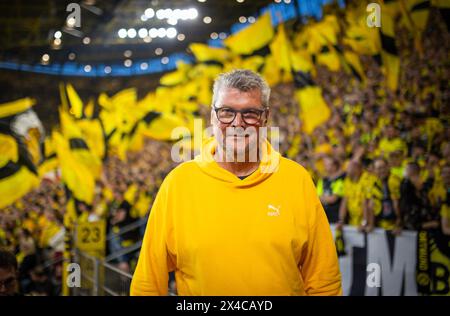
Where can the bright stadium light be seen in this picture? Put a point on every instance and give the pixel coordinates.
(127, 62)
(143, 32)
(70, 22)
(149, 13)
(57, 34)
(192, 13)
(181, 37)
(162, 32)
(153, 32)
(107, 69)
(87, 68)
(207, 19)
(131, 33)
(171, 32)
(158, 51)
(165, 60)
(172, 21)
(176, 14)
(127, 53)
(122, 33)
(160, 14)
(86, 40)
(45, 58)
(144, 66)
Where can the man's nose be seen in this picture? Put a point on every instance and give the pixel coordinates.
(238, 121)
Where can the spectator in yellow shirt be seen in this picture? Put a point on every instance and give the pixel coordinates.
(383, 196)
(353, 201)
(391, 142)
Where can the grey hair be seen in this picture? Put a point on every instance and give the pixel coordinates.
(243, 80)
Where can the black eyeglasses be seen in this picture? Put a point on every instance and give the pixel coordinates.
(227, 115)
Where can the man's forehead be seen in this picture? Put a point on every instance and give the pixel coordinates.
(234, 92)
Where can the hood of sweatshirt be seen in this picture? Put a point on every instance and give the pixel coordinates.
(269, 164)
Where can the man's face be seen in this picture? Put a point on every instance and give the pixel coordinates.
(381, 169)
(390, 132)
(238, 137)
(329, 166)
(8, 282)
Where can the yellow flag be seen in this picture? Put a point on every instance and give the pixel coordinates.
(76, 104)
(77, 176)
(253, 37)
(329, 58)
(161, 127)
(14, 107)
(176, 77)
(15, 180)
(314, 110)
(281, 49)
(203, 53)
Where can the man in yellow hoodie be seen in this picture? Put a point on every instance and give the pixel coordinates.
(233, 226)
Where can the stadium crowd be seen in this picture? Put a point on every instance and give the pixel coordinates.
(381, 160)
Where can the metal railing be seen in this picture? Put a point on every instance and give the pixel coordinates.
(99, 278)
(116, 282)
(124, 251)
(135, 225)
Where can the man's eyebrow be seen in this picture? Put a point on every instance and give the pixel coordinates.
(255, 107)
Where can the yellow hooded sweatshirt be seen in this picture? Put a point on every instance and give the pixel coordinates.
(265, 235)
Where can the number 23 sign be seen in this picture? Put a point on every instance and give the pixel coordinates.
(91, 236)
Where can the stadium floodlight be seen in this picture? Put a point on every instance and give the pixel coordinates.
(122, 33)
(153, 32)
(162, 32)
(149, 13)
(171, 32)
(160, 14)
(142, 32)
(192, 13)
(131, 33)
